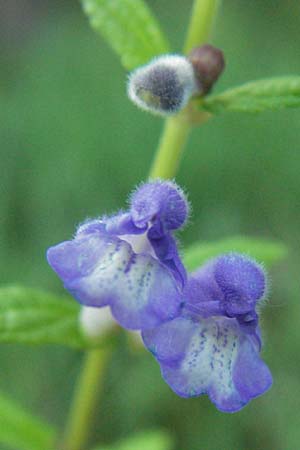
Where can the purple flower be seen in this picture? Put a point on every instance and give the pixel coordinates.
(213, 346)
(129, 261)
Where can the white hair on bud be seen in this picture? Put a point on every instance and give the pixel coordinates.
(95, 322)
(164, 85)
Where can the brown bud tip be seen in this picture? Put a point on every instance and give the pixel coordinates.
(208, 63)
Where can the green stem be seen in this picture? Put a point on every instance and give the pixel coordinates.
(170, 148)
(177, 128)
(202, 20)
(85, 400)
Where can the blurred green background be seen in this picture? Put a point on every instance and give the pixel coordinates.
(73, 146)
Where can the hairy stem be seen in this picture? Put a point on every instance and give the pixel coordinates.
(85, 400)
(176, 130)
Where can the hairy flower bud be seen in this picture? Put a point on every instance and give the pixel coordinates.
(164, 85)
(208, 63)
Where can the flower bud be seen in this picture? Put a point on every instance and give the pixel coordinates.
(95, 323)
(208, 63)
(164, 85)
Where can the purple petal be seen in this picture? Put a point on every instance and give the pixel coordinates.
(99, 269)
(77, 262)
(209, 356)
(160, 202)
(202, 294)
(165, 249)
(234, 281)
(251, 375)
(122, 223)
(77, 258)
(90, 226)
(169, 341)
(241, 280)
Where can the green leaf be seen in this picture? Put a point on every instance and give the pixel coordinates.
(129, 27)
(265, 251)
(35, 317)
(258, 96)
(147, 440)
(22, 431)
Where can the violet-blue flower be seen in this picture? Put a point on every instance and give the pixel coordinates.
(213, 346)
(129, 261)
